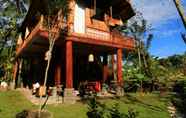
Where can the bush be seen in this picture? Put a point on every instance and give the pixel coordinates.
(115, 113)
(97, 110)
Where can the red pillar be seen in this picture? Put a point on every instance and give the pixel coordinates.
(113, 64)
(69, 65)
(58, 74)
(15, 70)
(15, 74)
(105, 68)
(119, 66)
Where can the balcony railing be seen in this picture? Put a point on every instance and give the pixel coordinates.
(90, 32)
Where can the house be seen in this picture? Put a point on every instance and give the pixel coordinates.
(85, 37)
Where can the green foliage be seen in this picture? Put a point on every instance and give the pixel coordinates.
(95, 110)
(115, 113)
(10, 21)
(98, 110)
(131, 114)
(179, 99)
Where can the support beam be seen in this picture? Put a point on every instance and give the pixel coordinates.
(69, 65)
(105, 68)
(113, 64)
(70, 18)
(58, 74)
(15, 74)
(119, 66)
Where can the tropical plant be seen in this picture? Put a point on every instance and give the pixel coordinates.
(140, 58)
(9, 23)
(95, 110)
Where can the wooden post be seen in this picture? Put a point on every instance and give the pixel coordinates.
(58, 74)
(70, 17)
(15, 74)
(105, 68)
(113, 64)
(69, 65)
(119, 66)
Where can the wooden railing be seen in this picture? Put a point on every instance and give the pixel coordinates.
(98, 34)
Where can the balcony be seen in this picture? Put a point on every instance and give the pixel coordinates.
(96, 33)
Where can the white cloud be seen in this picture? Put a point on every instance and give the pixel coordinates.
(167, 33)
(156, 12)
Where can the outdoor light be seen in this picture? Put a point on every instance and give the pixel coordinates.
(19, 41)
(91, 58)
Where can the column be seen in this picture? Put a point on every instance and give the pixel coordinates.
(113, 66)
(58, 74)
(69, 65)
(70, 17)
(69, 90)
(119, 66)
(15, 74)
(105, 68)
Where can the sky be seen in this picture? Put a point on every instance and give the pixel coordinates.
(166, 24)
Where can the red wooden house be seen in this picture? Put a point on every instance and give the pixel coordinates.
(85, 39)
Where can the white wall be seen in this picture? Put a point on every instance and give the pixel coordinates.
(79, 19)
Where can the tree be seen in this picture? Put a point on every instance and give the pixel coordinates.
(138, 28)
(9, 21)
(180, 11)
(182, 15)
(53, 27)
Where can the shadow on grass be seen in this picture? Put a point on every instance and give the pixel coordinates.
(134, 100)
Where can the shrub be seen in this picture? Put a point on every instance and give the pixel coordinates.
(96, 110)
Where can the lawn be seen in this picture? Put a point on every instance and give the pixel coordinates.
(148, 106)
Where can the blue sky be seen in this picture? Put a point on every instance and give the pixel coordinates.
(166, 25)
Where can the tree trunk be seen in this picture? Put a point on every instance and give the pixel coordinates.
(180, 11)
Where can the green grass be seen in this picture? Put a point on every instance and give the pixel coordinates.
(148, 106)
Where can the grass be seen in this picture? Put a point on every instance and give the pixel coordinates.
(148, 106)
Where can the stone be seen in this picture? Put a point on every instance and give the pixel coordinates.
(119, 91)
(69, 96)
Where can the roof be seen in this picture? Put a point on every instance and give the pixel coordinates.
(120, 8)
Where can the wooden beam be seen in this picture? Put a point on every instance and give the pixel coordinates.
(70, 17)
(110, 43)
(105, 67)
(57, 74)
(119, 66)
(113, 64)
(15, 72)
(69, 65)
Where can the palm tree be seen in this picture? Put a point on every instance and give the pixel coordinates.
(182, 15)
(180, 11)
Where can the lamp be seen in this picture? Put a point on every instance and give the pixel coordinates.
(91, 58)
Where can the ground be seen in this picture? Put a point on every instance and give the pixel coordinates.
(148, 106)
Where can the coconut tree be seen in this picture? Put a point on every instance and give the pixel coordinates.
(139, 29)
(182, 15)
(180, 11)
